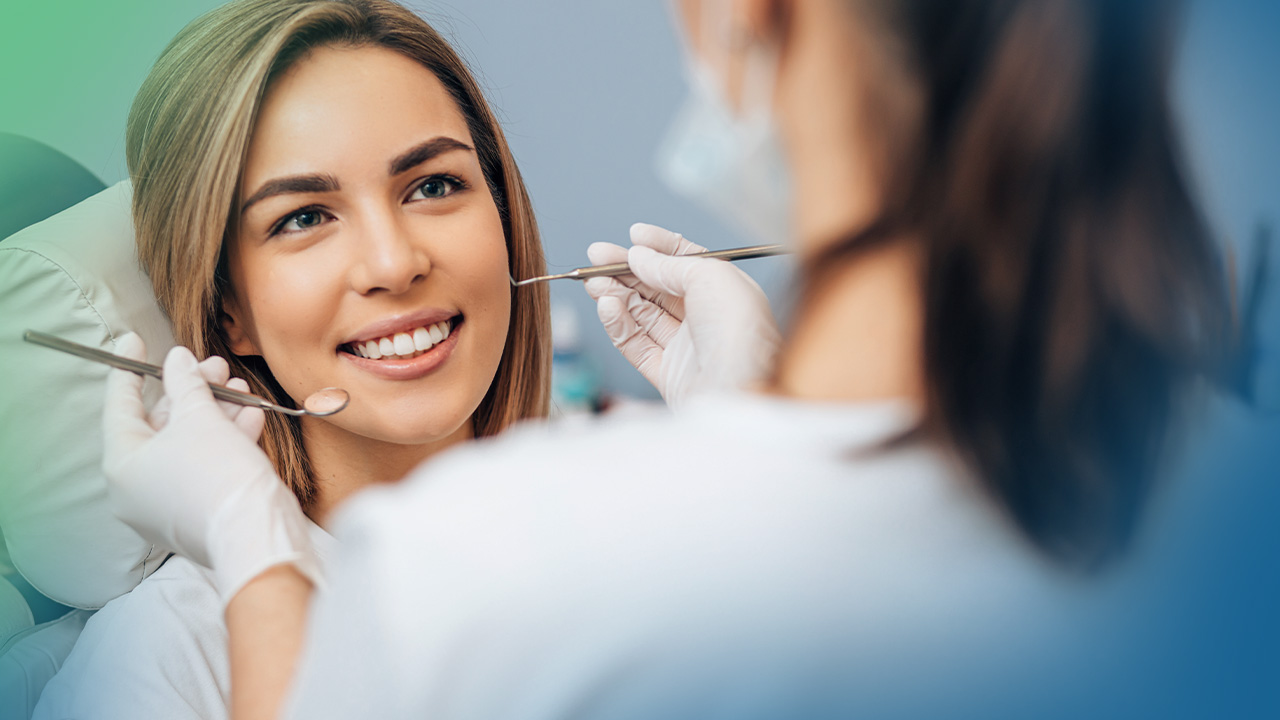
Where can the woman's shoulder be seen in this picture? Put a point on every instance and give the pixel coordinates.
(178, 599)
(157, 651)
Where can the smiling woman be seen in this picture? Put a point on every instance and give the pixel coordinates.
(373, 195)
(359, 233)
(323, 198)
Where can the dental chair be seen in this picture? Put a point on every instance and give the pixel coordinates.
(74, 273)
(37, 182)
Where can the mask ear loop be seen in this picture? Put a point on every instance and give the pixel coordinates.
(760, 60)
(707, 61)
(712, 31)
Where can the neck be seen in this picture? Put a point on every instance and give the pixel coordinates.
(858, 338)
(343, 463)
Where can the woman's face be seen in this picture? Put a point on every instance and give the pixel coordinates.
(370, 255)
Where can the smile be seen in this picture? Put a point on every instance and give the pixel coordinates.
(406, 354)
(403, 345)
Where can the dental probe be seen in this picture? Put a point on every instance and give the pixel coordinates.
(321, 403)
(615, 269)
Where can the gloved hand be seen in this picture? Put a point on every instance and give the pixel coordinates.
(689, 325)
(190, 477)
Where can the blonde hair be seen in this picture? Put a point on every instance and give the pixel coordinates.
(187, 142)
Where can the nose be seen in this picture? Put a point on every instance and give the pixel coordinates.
(389, 257)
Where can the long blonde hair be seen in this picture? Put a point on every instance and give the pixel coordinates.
(187, 142)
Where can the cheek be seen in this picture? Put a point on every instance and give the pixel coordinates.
(482, 265)
(284, 303)
(493, 285)
(290, 311)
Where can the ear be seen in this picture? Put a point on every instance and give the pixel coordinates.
(235, 330)
(762, 20)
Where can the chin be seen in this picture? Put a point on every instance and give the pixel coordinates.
(405, 429)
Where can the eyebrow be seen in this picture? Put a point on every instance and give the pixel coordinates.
(406, 160)
(421, 153)
(291, 184)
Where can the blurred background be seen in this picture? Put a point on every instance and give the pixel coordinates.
(586, 89)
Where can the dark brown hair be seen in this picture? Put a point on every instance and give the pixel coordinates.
(187, 141)
(1072, 293)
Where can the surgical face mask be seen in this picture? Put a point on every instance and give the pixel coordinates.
(730, 163)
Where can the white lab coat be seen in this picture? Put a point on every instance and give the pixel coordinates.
(752, 557)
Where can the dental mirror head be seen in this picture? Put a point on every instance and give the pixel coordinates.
(326, 402)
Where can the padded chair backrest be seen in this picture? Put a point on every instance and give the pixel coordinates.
(74, 275)
(30, 659)
(15, 616)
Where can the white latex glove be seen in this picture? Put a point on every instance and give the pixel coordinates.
(689, 325)
(190, 477)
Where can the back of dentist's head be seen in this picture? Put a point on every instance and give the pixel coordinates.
(1072, 295)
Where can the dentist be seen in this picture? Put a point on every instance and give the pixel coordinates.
(1006, 291)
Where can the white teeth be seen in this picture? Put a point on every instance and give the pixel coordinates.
(422, 339)
(404, 344)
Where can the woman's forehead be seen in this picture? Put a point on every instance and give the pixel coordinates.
(341, 106)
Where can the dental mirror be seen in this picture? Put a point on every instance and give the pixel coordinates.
(322, 403)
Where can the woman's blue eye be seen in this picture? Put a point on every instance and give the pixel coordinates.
(438, 187)
(307, 219)
(302, 220)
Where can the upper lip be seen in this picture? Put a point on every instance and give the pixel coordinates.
(398, 324)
